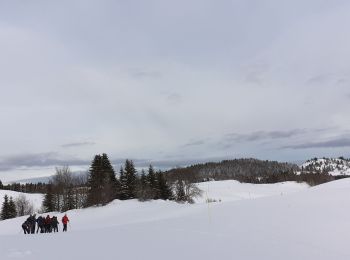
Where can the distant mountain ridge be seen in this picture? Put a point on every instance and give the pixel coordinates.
(314, 171)
(246, 170)
(237, 169)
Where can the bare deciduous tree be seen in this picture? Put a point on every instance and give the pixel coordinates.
(23, 206)
(186, 191)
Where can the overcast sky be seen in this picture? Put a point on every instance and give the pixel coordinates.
(176, 80)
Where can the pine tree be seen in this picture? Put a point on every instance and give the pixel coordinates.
(95, 182)
(102, 182)
(130, 175)
(151, 177)
(143, 187)
(70, 200)
(152, 182)
(5, 209)
(164, 190)
(49, 200)
(111, 184)
(12, 209)
(143, 178)
(124, 190)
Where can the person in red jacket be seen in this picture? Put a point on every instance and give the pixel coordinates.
(48, 224)
(65, 221)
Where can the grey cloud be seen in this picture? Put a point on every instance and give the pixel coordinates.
(233, 139)
(153, 77)
(37, 160)
(335, 143)
(342, 81)
(174, 98)
(119, 161)
(55, 159)
(78, 144)
(254, 77)
(142, 74)
(318, 79)
(263, 135)
(195, 143)
(322, 79)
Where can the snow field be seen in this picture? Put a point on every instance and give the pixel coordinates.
(231, 190)
(309, 223)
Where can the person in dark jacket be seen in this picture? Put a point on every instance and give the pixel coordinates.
(54, 224)
(31, 221)
(34, 223)
(41, 224)
(25, 227)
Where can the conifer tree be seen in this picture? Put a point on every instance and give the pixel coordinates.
(12, 208)
(143, 178)
(124, 190)
(164, 190)
(95, 182)
(151, 177)
(5, 209)
(111, 184)
(102, 182)
(152, 182)
(49, 200)
(143, 192)
(130, 175)
(70, 200)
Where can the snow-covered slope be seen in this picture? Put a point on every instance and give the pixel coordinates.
(35, 199)
(230, 190)
(309, 224)
(334, 166)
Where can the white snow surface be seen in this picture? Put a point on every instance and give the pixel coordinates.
(309, 223)
(230, 190)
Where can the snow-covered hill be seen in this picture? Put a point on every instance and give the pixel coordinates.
(309, 224)
(230, 190)
(35, 199)
(334, 166)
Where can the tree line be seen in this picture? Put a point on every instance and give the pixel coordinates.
(249, 171)
(39, 187)
(230, 170)
(102, 186)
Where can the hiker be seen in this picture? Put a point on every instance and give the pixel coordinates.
(54, 224)
(25, 227)
(31, 221)
(65, 221)
(41, 224)
(48, 224)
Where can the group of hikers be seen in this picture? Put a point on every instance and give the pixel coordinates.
(44, 224)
